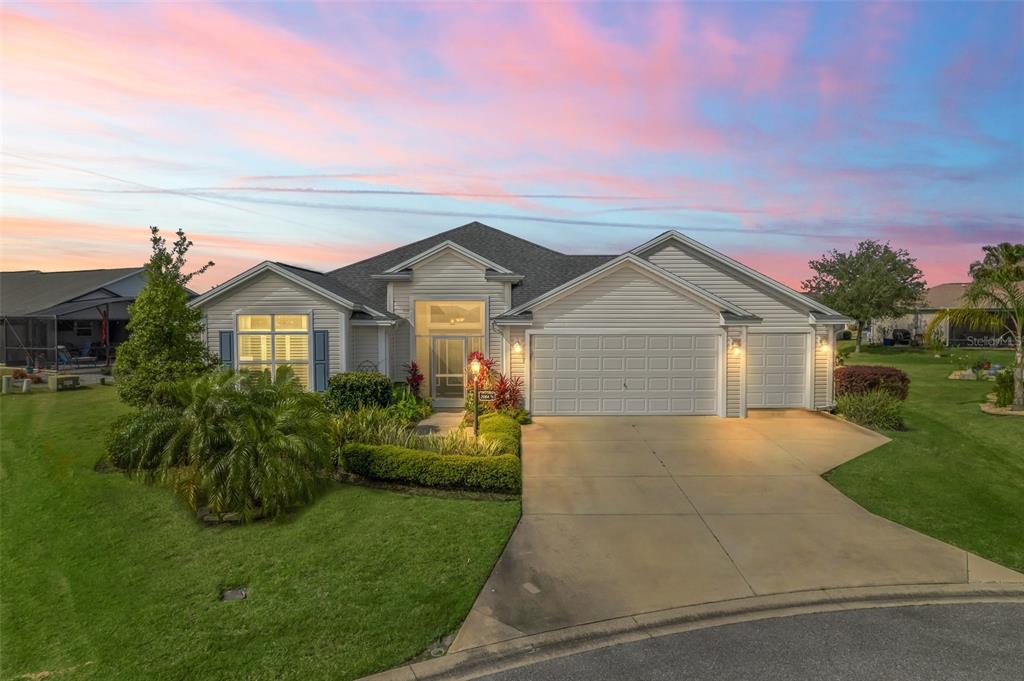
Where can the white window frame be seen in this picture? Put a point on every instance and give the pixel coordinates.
(273, 333)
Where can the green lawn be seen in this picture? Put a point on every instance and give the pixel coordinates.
(956, 474)
(107, 578)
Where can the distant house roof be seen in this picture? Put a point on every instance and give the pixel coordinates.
(944, 296)
(542, 268)
(32, 292)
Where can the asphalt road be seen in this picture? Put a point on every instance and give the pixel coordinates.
(972, 642)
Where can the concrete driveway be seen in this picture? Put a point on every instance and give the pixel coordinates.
(628, 515)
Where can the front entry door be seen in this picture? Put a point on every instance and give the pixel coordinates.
(449, 369)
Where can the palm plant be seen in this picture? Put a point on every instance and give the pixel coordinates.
(995, 300)
(265, 451)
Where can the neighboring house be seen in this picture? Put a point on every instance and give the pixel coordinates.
(671, 327)
(82, 311)
(936, 299)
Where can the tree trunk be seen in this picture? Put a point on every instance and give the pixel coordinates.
(860, 330)
(1018, 375)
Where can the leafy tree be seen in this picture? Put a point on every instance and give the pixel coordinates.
(995, 300)
(166, 335)
(873, 281)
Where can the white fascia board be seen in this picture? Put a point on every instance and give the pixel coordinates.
(373, 322)
(267, 266)
(709, 299)
(729, 262)
(446, 245)
(831, 319)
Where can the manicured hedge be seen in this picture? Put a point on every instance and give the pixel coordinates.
(860, 379)
(503, 429)
(356, 389)
(417, 467)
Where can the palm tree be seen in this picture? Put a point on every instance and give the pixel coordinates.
(995, 300)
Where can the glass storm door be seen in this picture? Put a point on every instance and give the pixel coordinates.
(449, 367)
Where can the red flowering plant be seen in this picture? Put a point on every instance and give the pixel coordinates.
(508, 392)
(413, 377)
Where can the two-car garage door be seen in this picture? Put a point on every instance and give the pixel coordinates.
(624, 374)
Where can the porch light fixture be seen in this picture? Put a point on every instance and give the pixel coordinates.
(823, 345)
(517, 347)
(474, 367)
(735, 346)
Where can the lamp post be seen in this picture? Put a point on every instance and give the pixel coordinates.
(474, 368)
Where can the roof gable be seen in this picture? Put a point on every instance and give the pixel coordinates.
(722, 261)
(447, 246)
(629, 260)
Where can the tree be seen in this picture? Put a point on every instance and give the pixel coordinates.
(873, 281)
(166, 335)
(995, 300)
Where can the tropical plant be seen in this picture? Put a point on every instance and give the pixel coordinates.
(412, 409)
(995, 300)
(166, 335)
(1004, 388)
(413, 377)
(375, 426)
(248, 444)
(871, 282)
(508, 392)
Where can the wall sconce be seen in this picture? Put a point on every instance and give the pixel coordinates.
(735, 346)
(517, 347)
(823, 345)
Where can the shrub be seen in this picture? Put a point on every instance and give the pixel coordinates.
(502, 429)
(244, 443)
(1004, 388)
(413, 409)
(137, 440)
(845, 334)
(356, 389)
(428, 469)
(857, 380)
(508, 392)
(878, 409)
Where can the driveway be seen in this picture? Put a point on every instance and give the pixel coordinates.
(628, 515)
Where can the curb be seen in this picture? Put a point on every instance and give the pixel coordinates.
(526, 650)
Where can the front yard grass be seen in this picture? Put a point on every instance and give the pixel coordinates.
(107, 578)
(956, 473)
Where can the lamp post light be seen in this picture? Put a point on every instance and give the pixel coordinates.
(474, 368)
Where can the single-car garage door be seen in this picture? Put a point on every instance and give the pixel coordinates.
(776, 370)
(624, 374)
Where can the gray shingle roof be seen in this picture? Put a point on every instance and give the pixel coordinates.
(31, 291)
(542, 268)
(333, 285)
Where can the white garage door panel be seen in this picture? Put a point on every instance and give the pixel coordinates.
(624, 374)
(776, 370)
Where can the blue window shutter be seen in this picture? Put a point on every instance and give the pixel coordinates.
(227, 348)
(320, 361)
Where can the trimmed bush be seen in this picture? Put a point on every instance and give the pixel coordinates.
(416, 467)
(502, 429)
(357, 389)
(857, 380)
(877, 409)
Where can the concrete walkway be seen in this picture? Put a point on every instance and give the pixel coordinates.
(623, 516)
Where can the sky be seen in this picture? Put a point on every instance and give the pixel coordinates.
(320, 134)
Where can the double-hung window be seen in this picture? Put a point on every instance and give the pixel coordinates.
(269, 341)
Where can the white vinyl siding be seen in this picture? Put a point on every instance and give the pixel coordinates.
(365, 349)
(450, 276)
(777, 370)
(269, 293)
(625, 298)
(618, 374)
(734, 366)
(823, 362)
(731, 286)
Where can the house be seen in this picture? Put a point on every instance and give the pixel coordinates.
(52, 318)
(670, 327)
(936, 299)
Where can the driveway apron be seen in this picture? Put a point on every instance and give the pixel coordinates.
(627, 515)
